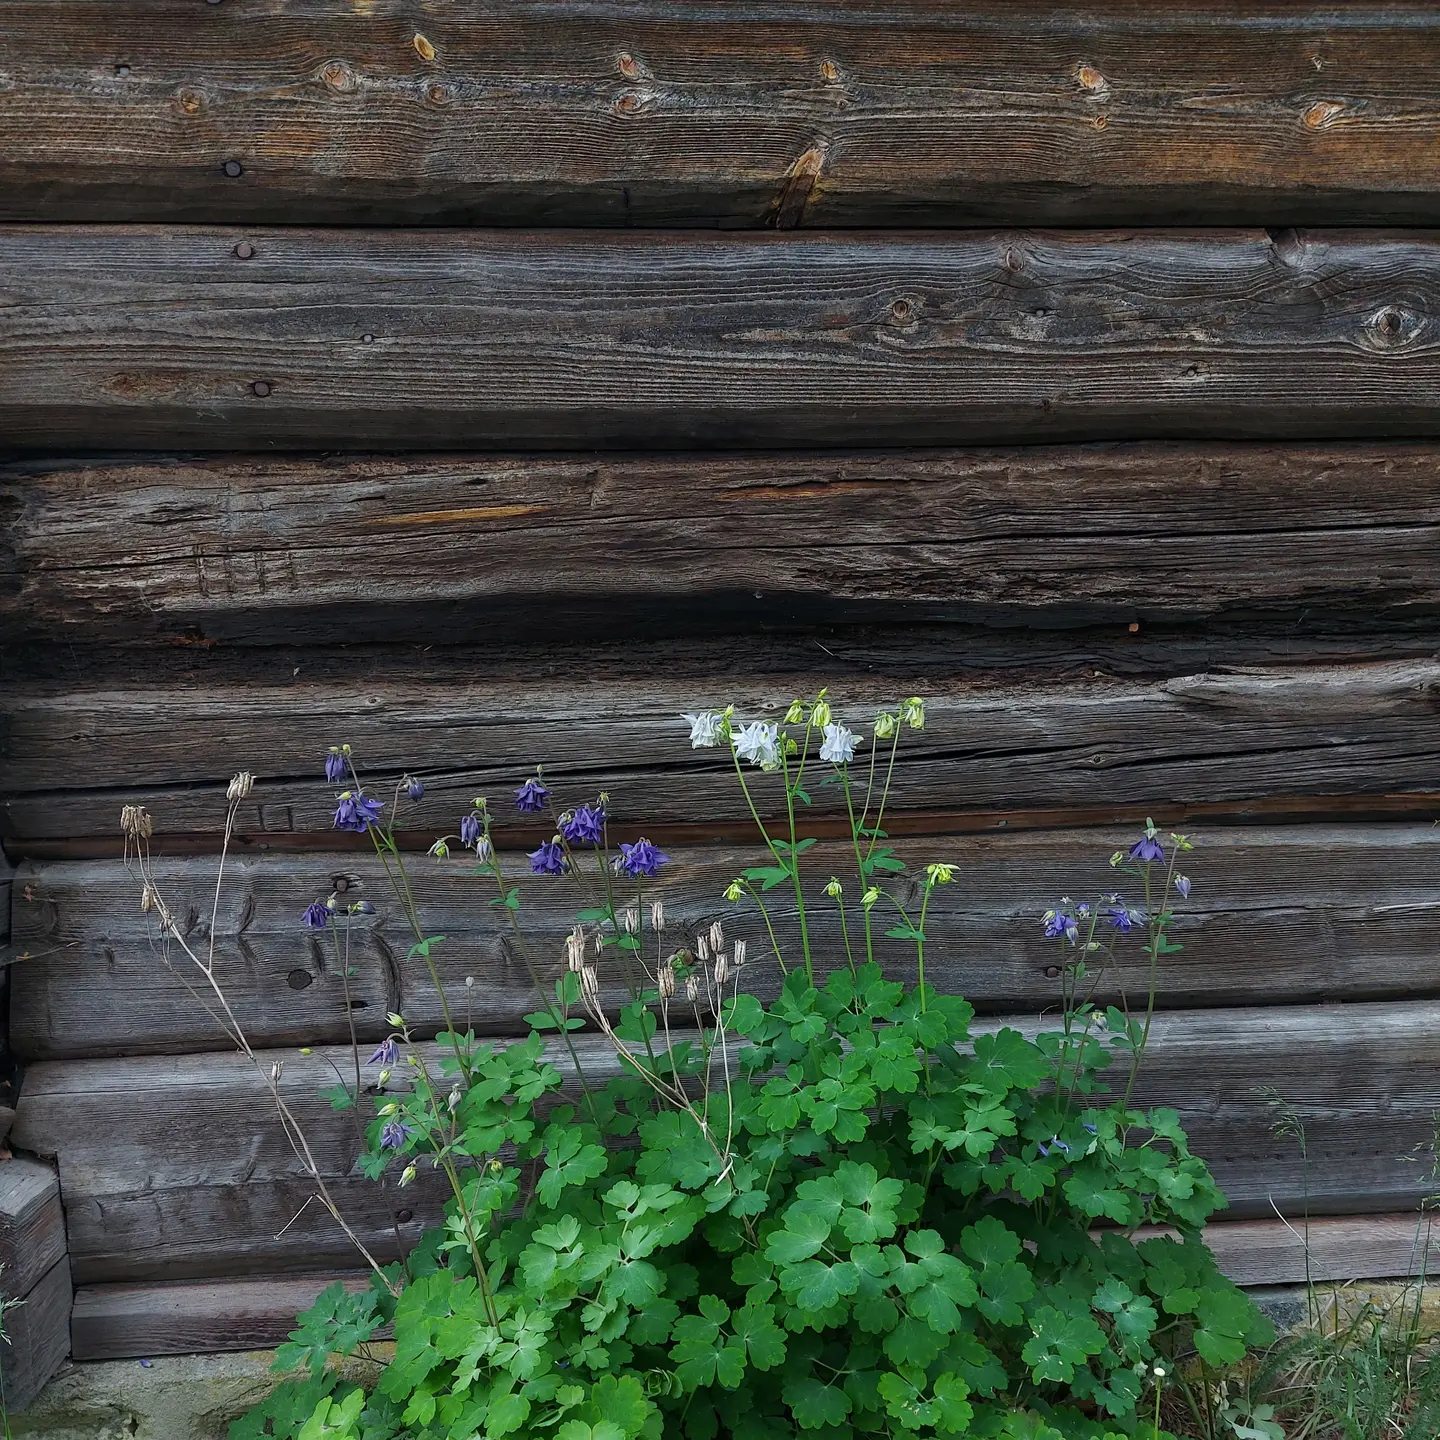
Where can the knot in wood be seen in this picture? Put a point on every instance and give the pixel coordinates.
(1392, 326)
(438, 94)
(627, 65)
(629, 103)
(339, 77)
(299, 979)
(187, 101)
(903, 310)
(1323, 113)
(1091, 81)
(829, 71)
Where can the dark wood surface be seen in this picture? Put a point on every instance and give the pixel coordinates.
(114, 338)
(1090, 741)
(116, 1322)
(672, 113)
(32, 1226)
(255, 550)
(37, 1337)
(1282, 915)
(121, 1322)
(174, 1168)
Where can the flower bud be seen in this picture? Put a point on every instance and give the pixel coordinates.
(796, 713)
(734, 890)
(240, 786)
(469, 982)
(452, 1101)
(407, 1176)
(382, 1079)
(395, 1021)
(869, 897)
(821, 715)
(884, 725)
(306, 1050)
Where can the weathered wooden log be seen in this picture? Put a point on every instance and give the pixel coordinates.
(259, 550)
(660, 114)
(230, 340)
(174, 1168)
(1092, 742)
(32, 1226)
(37, 1337)
(117, 1322)
(121, 1322)
(1297, 913)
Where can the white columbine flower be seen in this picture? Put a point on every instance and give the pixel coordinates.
(705, 729)
(839, 746)
(759, 744)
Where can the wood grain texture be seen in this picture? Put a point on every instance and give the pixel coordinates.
(1285, 915)
(122, 1322)
(992, 743)
(175, 1169)
(672, 113)
(37, 1337)
(258, 550)
(32, 1225)
(118, 1322)
(114, 338)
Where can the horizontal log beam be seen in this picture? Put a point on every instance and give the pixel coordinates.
(216, 339)
(175, 1168)
(667, 113)
(260, 551)
(1097, 743)
(120, 1322)
(32, 1226)
(1276, 916)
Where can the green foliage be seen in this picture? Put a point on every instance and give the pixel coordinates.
(849, 1211)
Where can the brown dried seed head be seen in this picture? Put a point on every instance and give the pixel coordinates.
(702, 948)
(657, 916)
(630, 920)
(148, 897)
(739, 953)
(722, 970)
(692, 989)
(717, 936)
(240, 786)
(667, 980)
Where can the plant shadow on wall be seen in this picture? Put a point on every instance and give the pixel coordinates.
(685, 1212)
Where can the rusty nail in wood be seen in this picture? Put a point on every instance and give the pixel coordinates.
(404, 1216)
(233, 168)
(1134, 627)
(244, 250)
(122, 70)
(367, 339)
(261, 388)
(1052, 972)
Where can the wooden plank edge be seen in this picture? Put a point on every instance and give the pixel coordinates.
(37, 1334)
(32, 1225)
(1281, 809)
(121, 1322)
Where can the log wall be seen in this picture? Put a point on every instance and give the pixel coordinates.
(489, 384)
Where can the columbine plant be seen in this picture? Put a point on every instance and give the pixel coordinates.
(678, 1211)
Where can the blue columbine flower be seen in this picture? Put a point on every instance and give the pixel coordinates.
(357, 812)
(549, 859)
(641, 858)
(1147, 848)
(1121, 919)
(334, 767)
(317, 915)
(387, 1052)
(531, 796)
(585, 826)
(1182, 884)
(470, 831)
(1056, 1143)
(414, 788)
(394, 1134)
(1058, 924)
(1094, 1130)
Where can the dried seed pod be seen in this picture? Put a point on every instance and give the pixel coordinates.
(667, 980)
(575, 950)
(722, 970)
(135, 821)
(692, 989)
(717, 937)
(240, 786)
(589, 985)
(630, 920)
(657, 916)
(702, 949)
(149, 897)
(739, 954)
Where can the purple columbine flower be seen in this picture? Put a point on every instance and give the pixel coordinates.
(586, 826)
(531, 796)
(334, 767)
(1182, 884)
(470, 831)
(1043, 1149)
(1058, 924)
(1121, 919)
(394, 1134)
(387, 1052)
(549, 859)
(1093, 1129)
(1056, 1143)
(357, 812)
(414, 788)
(317, 915)
(641, 858)
(1147, 848)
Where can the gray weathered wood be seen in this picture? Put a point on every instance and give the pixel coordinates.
(174, 1168)
(120, 1322)
(37, 1337)
(32, 1225)
(1092, 742)
(665, 113)
(115, 1322)
(1290, 914)
(126, 338)
(259, 550)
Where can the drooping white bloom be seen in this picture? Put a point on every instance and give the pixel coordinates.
(839, 745)
(759, 743)
(705, 729)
